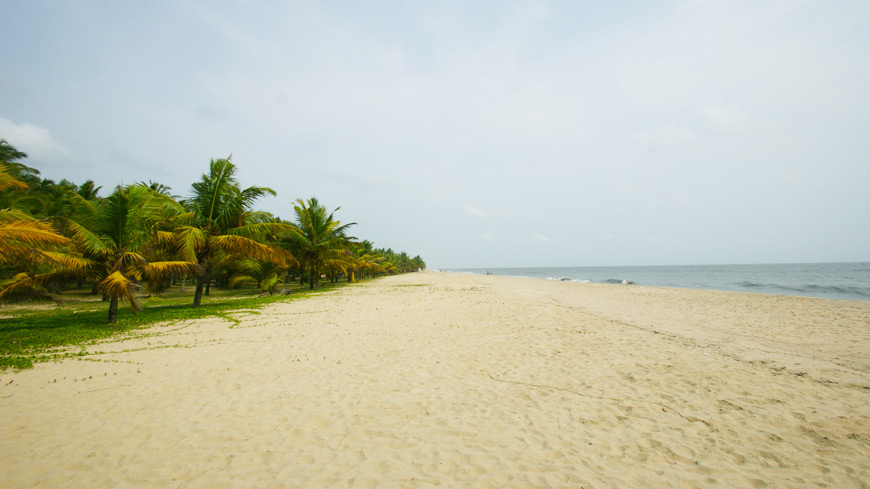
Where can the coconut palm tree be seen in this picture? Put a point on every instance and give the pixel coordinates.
(120, 235)
(266, 275)
(317, 237)
(9, 157)
(28, 246)
(88, 190)
(221, 224)
(34, 251)
(8, 181)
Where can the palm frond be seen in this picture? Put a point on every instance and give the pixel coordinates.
(130, 259)
(88, 241)
(12, 215)
(69, 262)
(261, 231)
(7, 181)
(158, 273)
(170, 268)
(118, 286)
(23, 287)
(164, 239)
(190, 239)
(240, 245)
(30, 233)
(237, 280)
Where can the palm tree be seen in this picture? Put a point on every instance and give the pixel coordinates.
(221, 226)
(120, 234)
(8, 181)
(317, 237)
(266, 275)
(88, 190)
(20, 234)
(32, 249)
(8, 159)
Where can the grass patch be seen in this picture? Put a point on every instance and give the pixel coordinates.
(37, 334)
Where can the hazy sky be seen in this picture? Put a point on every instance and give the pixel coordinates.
(476, 134)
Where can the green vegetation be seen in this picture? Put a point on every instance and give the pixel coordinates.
(63, 243)
(30, 336)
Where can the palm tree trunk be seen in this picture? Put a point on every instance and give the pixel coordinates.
(311, 279)
(113, 310)
(201, 280)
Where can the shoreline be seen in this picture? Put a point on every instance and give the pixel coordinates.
(441, 378)
(842, 280)
(638, 285)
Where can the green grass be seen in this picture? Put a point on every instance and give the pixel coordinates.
(31, 335)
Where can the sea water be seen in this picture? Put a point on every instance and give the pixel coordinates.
(826, 280)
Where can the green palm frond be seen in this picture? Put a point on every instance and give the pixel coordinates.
(87, 240)
(190, 240)
(23, 287)
(164, 239)
(261, 231)
(237, 280)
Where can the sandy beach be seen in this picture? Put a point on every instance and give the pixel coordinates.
(446, 380)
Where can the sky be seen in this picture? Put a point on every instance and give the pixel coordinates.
(474, 134)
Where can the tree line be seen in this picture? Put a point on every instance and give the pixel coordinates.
(141, 236)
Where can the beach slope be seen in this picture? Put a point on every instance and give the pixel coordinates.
(446, 380)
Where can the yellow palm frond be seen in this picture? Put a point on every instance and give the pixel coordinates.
(68, 261)
(130, 259)
(19, 236)
(239, 245)
(119, 286)
(170, 268)
(164, 239)
(33, 233)
(157, 273)
(12, 215)
(7, 181)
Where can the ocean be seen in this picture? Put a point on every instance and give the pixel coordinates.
(826, 280)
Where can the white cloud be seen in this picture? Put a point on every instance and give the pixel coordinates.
(538, 238)
(34, 140)
(487, 236)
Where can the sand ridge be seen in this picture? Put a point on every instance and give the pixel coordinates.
(447, 380)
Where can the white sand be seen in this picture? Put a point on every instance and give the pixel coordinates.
(443, 380)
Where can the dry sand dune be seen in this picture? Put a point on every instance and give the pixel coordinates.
(442, 380)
